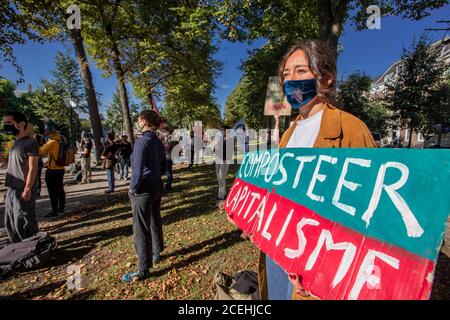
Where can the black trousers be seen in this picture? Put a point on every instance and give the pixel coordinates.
(147, 226)
(20, 216)
(55, 186)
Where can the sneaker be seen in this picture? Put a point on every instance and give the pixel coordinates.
(61, 211)
(135, 276)
(156, 259)
(51, 215)
(108, 191)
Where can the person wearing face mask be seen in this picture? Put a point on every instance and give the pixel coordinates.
(21, 183)
(54, 175)
(148, 161)
(307, 74)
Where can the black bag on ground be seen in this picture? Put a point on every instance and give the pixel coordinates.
(243, 286)
(27, 254)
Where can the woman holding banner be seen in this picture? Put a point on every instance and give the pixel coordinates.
(307, 74)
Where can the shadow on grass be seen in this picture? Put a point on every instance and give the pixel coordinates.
(92, 215)
(82, 295)
(198, 208)
(113, 215)
(34, 292)
(214, 245)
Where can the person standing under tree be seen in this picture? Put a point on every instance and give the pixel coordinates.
(165, 135)
(307, 74)
(110, 161)
(54, 176)
(20, 181)
(86, 148)
(124, 154)
(149, 163)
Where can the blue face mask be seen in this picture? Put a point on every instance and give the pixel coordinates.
(299, 92)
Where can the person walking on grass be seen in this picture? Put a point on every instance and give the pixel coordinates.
(21, 183)
(149, 163)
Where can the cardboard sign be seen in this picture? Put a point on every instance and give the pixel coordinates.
(276, 103)
(354, 223)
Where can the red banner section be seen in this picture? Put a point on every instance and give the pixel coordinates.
(334, 261)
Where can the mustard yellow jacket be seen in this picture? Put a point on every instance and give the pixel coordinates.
(51, 148)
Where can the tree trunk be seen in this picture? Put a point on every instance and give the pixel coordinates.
(86, 76)
(122, 92)
(330, 24)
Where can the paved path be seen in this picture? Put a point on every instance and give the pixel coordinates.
(77, 195)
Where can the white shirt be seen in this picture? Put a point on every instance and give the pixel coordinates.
(306, 132)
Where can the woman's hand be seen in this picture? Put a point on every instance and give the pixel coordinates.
(295, 279)
(230, 220)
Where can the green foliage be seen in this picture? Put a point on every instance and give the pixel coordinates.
(284, 22)
(6, 143)
(353, 97)
(114, 114)
(21, 103)
(13, 30)
(418, 96)
(47, 101)
(85, 125)
(67, 78)
(189, 84)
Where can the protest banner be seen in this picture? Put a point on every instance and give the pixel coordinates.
(354, 223)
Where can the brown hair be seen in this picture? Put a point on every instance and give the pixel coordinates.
(152, 118)
(111, 136)
(321, 62)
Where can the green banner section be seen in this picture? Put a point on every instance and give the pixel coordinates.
(399, 196)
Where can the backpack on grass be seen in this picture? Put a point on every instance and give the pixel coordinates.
(29, 253)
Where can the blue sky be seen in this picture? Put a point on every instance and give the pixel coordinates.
(371, 51)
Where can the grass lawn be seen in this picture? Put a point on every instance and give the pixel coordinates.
(199, 241)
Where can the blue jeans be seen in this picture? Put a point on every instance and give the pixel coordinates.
(278, 285)
(111, 178)
(124, 165)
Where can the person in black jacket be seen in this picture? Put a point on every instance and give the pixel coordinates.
(110, 160)
(123, 155)
(148, 161)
